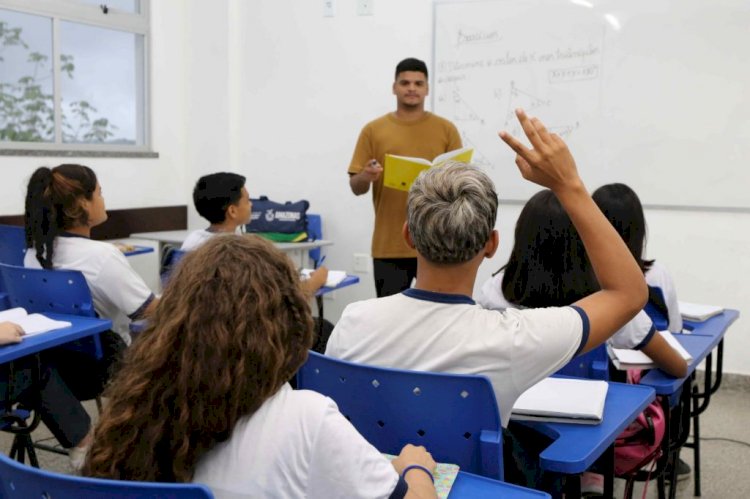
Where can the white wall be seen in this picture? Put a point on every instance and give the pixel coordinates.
(275, 91)
(310, 83)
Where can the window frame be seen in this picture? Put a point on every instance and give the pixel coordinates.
(92, 15)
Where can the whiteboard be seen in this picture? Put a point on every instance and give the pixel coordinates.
(652, 93)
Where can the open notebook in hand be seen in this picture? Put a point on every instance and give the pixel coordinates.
(624, 359)
(334, 277)
(31, 323)
(562, 400)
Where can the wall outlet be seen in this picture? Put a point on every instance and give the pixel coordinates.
(365, 7)
(329, 8)
(362, 263)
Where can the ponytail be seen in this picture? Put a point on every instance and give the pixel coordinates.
(53, 205)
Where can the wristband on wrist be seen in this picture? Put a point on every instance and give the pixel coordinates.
(418, 467)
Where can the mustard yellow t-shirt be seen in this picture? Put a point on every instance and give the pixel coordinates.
(425, 138)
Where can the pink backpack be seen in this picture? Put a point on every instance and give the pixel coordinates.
(640, 443)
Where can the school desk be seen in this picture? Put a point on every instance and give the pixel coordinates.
(470, 486)
(576, 447)
(81, 327)
(296, 251)
(703, 338)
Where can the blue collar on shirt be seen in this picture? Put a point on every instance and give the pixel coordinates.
(421, 294)
(70, 234)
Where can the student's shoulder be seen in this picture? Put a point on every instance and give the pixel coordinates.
(380, 122)
(89, 247)
(442, 122)
(307, 402)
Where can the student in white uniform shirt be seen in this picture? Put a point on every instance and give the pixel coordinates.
(63, 204)
(548, 267)
(223, 200)
(436, 326)
(204, 396)
(621, 206)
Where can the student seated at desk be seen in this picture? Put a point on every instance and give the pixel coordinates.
(223, 200)
(548, 267)
(204, 396)
(436, 326)
(623, 209)
(63, 204)
(58, 408)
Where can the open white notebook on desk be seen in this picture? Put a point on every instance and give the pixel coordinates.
(334, 277)
(698, 312)
(562, 400)
(31, 323)
(625, 359)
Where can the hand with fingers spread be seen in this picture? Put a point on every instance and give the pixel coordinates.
(548, 163)
(10, 333)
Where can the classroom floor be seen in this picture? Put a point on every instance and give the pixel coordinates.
(724, 472)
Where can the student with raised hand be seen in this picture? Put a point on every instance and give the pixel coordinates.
(436, 326)
(548, 267)
(621, 206)
(204, 396)
(63, 204)
(59, 409)
(223, 200)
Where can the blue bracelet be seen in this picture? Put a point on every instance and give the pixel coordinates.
(418, 467)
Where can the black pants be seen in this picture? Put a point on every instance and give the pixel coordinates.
(85, 375)
(393, 275)
(58, 407)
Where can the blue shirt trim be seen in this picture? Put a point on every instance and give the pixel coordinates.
(586, 328)
(401, 489)
(645, 340)
(421, 294)
(138, 313)
(70, 234)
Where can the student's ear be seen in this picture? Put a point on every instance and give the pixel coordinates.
(490, 247)
(231, 213)
(407, 236)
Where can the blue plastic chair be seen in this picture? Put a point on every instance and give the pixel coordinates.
(656, 308)
(455, 416)
(171, 257)
(590, 365)
(21, 481)
(314, 232)
(12, 244)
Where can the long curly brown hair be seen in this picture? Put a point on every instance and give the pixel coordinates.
(232, 327)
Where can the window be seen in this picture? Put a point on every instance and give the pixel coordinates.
(73, 75)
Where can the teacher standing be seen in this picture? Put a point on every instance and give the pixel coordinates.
(408, 131)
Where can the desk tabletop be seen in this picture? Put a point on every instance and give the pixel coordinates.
(471, 486)
(179, 236)
(698, 346)
(81, 327)
(577, 446)
(713, 326)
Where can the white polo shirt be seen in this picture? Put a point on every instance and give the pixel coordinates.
(658, 276)
(198, 237)
(297, 444)
(427, 331)
(119, 293)
(633, 336)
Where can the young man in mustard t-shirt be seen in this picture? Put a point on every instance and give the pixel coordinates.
(408, 131)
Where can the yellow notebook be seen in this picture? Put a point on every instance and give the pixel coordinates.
(401, 171)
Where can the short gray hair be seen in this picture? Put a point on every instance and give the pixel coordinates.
(451, 212)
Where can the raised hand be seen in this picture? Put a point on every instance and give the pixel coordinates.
(548, 163)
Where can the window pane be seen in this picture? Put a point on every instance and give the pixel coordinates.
(101, 85)
(132, 6)
(26, 100)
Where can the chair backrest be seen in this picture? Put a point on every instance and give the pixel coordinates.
(591, 365)
(455, 416)
(21, 481)
(314, 232)
(51, 291)
(656, 308)
(171, 257)
(12, 244)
